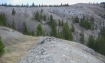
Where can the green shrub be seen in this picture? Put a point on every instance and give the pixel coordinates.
(1, 47)
(3, 19)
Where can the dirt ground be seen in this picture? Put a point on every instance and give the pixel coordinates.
(14, 52)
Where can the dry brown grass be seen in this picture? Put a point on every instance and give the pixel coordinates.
(16, 51)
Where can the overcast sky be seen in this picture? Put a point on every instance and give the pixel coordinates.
(49, 2)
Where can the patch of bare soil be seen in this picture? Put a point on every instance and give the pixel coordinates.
(14, 52)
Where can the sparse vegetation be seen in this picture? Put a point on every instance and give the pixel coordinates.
(1, 47)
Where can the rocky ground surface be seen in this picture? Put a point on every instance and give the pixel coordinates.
(53, 50)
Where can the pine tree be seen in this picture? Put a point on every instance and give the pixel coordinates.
(67, 33)
(13, 12)
(102, 31)
(41, 10)
(92, 23)
(91, 42)
(37, 16)
(44, 17)
(25, 30)
(33, 4)
(53, 29)
(51, 20)
(13, 25)
(62, 23)
(72, 28)
(53, 26)
(39, 30)
(1, 47)
(82, 37)
(100, 45)
(76, 20)
(85, 23)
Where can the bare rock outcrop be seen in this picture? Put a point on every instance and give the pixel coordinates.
(53, 50)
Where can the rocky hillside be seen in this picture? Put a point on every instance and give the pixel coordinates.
(53, 50)
(20, 48)
(66, 14)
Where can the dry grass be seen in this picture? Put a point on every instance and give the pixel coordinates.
(16, 51)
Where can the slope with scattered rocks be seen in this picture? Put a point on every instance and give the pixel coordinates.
(53, 50)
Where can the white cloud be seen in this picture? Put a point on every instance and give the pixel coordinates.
(74, 1)
(64, 1)
(51, 1)
(17, 1)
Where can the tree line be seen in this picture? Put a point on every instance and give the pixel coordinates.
(33, 5)
(39, 17)
(98, 44)
(85, 22)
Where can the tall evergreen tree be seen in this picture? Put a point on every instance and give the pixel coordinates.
(102, 32)
(53, 29)
(72, 28)
(25, 30)
(37, 16)
(91, 42)
(39, 30)
(51, 20)
(41, 10)
(67, 33)
(82, 37)
(53, 26)
(13, 11)
(13, 25)
(76, 20)
(33, 5)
